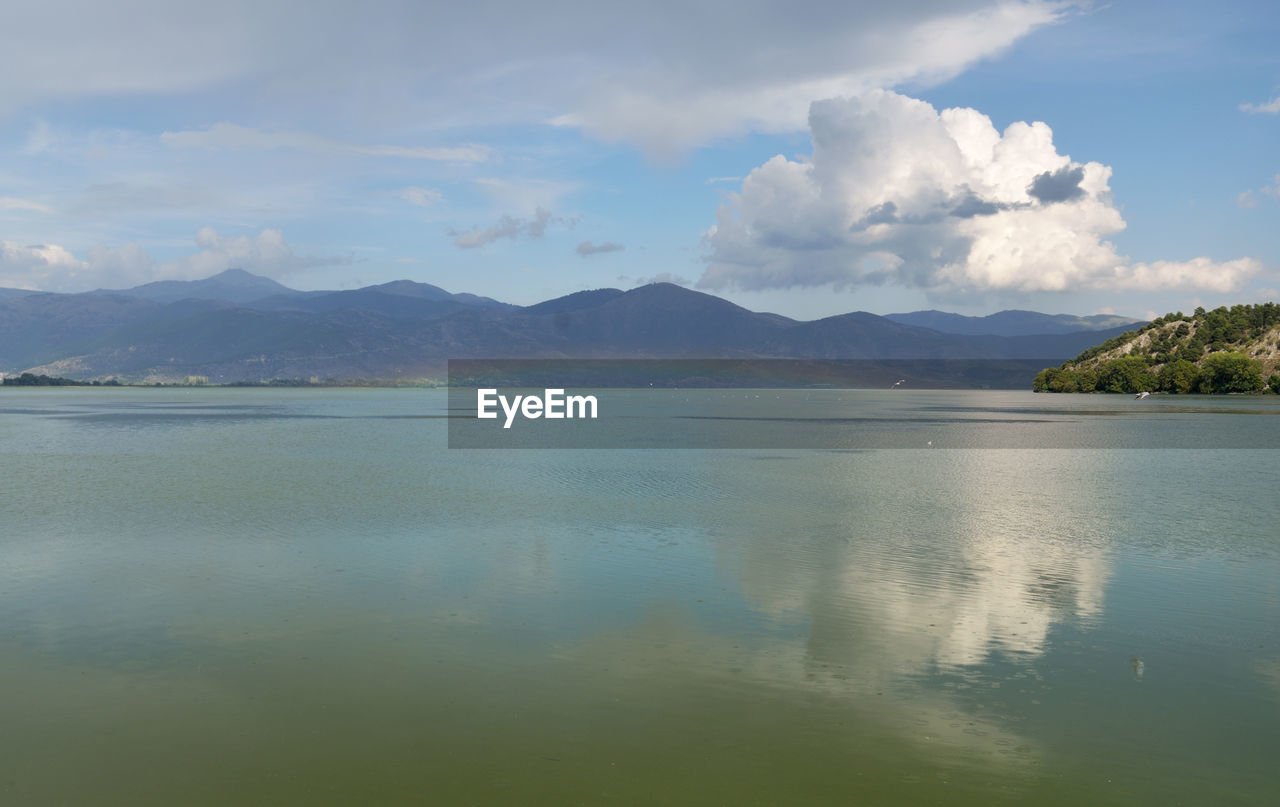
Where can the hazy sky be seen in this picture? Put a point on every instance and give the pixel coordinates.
(808, 158)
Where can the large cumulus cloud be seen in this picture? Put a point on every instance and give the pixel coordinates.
(897, 192)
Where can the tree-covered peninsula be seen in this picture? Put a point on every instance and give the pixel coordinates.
(33, 380)
(1225, 350)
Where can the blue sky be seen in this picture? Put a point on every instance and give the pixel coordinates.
(804, 158)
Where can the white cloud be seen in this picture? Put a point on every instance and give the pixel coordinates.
(267, 253)
(1198, 273)
(666, 75)
(123, 267)
(54, 268)
(899, 193)
(34, 267)
(11, 203)
(1271, 107)
(1249, 199)
(766, 75)
(232, 136)
(422, 197)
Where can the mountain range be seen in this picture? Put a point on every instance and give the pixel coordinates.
(236, 326)
(1011, 323)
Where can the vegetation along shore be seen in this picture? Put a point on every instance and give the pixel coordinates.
(1226, 350)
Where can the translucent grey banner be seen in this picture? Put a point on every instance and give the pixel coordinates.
(825, 405)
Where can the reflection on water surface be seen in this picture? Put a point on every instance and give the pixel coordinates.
(299, 596)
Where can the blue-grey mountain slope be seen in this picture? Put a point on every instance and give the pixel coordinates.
(407, 329)
(1011, 323)
(233, 285)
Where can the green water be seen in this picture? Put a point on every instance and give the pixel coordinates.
(282, 597)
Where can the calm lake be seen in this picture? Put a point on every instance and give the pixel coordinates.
(279, 597)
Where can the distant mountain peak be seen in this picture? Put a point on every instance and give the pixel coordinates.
(233, 285)
(412, 288)
(676, 293)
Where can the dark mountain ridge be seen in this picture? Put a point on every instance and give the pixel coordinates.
(408, 329)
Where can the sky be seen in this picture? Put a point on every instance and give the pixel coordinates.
(805, 158)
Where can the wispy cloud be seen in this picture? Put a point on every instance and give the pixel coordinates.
(11, 203)
(422, 197)
(233, 136)
(1249, 199)
(1271, 107)
(587, 248)
(677, 81)
(664, 277)
(507, 227)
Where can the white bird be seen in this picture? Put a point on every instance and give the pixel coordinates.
(896, 383)
(1142, 395)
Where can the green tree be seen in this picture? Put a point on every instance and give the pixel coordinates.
(1041, 382)
(1055, 379)
(1230, 372)
(1063, 381)
(1126, 374)
(1179, 376)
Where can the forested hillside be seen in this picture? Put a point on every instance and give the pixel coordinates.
(1225, 350)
